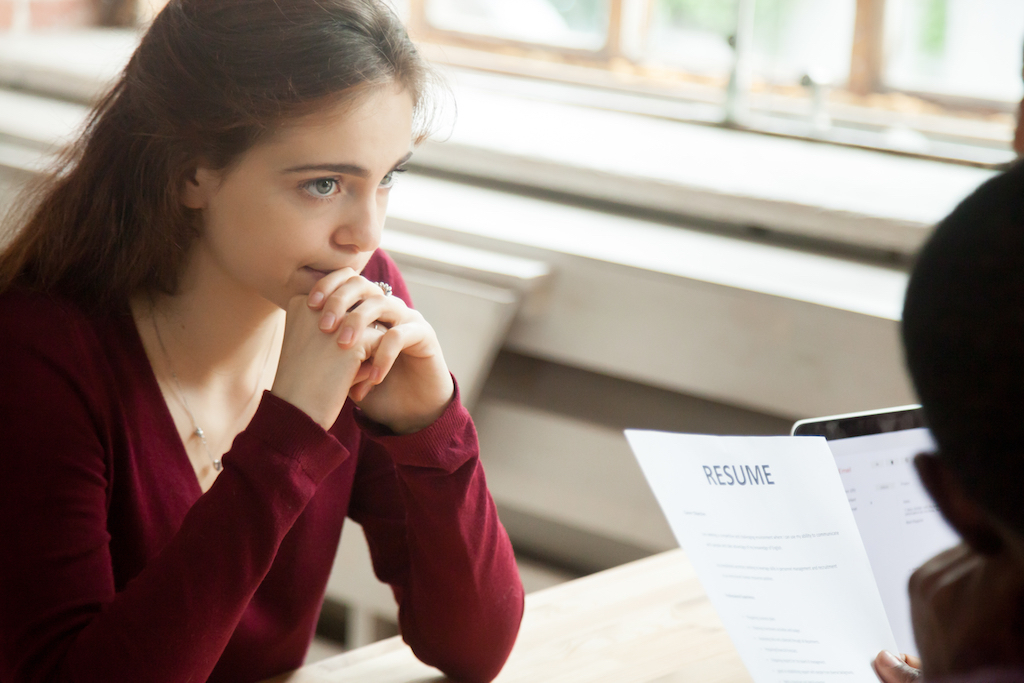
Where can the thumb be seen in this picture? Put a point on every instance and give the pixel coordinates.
(892, 669)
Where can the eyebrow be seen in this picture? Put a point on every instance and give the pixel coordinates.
(342, 169)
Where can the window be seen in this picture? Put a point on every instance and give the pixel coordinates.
(936, 78)
(959, 48)
(568, 24)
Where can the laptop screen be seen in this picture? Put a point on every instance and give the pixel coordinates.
(900, 525)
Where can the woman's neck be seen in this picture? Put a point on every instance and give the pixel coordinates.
(212, 331)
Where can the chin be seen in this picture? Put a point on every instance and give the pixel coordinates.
(282, 296)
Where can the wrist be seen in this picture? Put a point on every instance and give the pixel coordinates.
(446, 444)
(319, 410)
(410, 424)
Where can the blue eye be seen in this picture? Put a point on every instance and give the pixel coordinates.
(322, 187)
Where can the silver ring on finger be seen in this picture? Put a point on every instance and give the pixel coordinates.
(380, 328)
(385, 287)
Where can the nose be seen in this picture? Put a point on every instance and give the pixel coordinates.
(359, 227)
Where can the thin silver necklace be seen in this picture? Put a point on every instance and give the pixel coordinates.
(196, 429)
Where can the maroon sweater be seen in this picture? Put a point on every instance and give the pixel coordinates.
(116, 567)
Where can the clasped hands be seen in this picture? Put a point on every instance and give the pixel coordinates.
(348, 339)
(968, 615)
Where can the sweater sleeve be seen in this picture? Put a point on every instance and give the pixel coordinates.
(60, 616)
(435, 537)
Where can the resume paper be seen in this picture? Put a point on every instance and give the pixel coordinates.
(766, 524)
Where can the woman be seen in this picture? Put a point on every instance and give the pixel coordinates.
(205, 372)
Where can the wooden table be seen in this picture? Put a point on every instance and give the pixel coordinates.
(645, 622)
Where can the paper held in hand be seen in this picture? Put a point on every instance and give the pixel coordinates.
(766, 523)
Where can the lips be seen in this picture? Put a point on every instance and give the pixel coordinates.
(317, 272)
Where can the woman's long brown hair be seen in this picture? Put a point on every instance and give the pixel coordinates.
(209, 79)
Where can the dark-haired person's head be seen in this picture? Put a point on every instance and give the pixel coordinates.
(963, 332)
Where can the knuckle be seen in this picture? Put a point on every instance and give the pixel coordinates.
(359, 279)
(386, 351)
(336, 299)
(928, 586)
(367, 316)
(907, 674)
(918, 581)
(334, 307)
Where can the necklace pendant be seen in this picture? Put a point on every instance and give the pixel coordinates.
(199, 432)
(217, 464)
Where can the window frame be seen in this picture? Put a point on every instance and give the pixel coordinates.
(583, 67)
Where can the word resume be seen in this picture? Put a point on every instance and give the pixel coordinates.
(766, 523)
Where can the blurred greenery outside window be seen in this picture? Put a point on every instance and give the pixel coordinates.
(933, 78)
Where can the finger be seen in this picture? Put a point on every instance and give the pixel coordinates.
(326, 285)
(360, 391)
(363, 381)
(911, 661)
(362, 374)
(386, 310)
(369, 339)
(397, 340)
(369, 315)
(384, 357)
(348, 297)
(892, 669)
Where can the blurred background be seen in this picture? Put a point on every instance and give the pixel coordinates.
(690, 215)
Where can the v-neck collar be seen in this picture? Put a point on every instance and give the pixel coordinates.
(150, 384)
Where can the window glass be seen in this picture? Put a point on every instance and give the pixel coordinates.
(693, 35)
(580, 24)
(791, 37)
(968, 48)
(794, 38)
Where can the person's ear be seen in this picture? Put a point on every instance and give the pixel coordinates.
(969, 519)
(198, 187)
(1018, 131)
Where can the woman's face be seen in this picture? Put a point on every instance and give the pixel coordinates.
(309, 200)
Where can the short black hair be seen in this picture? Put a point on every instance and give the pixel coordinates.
(963, 333)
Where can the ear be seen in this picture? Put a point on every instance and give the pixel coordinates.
(199, 187)
(969, 519)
